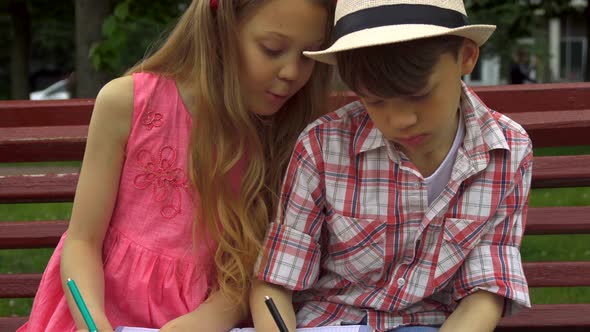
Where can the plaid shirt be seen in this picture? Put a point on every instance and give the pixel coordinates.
(357, 237)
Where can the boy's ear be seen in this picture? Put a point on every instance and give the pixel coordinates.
(468, 56)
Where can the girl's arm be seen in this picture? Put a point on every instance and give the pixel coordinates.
(282, 298)
(217, 314)
(95, 197)
(478, 312)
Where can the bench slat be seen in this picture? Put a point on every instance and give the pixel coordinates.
(67, 142)
(548, 172)
(557, 274)
(558, 220)
(540, 221)
(10, 324)
(555, 128)
(30, 144)
(26, 113)
(531, 98)
(549, 317)
(561, 171)
(31, 234)
(38, 188)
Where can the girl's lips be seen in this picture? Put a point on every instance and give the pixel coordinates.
(276, 99)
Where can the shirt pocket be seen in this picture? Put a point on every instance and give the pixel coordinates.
(356, 248)
(460, 236)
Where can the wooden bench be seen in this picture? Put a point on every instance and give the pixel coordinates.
(555, 115)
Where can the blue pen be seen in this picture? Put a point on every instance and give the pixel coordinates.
(81, 305)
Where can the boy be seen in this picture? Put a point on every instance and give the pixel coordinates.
(404, 211)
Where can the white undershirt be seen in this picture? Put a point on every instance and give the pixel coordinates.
(437, 182)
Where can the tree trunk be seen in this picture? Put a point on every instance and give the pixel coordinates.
(90, 14)
(587, 14)
(21, 47)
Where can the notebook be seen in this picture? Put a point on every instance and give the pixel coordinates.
(348, 328)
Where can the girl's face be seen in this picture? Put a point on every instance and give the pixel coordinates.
(271, 42)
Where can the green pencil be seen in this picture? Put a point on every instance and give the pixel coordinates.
(81, 305)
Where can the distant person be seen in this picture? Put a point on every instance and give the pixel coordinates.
(521, 70)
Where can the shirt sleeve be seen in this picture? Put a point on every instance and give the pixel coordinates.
(495, 265)
(290, 254)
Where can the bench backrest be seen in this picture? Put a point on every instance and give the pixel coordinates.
(553, 114)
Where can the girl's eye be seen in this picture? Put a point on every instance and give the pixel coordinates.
(271, 51)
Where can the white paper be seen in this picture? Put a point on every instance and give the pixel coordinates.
(348, 328)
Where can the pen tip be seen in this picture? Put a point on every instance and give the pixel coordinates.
(69, 279)
(267, 297)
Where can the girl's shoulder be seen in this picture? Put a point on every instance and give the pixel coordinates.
(114, 105)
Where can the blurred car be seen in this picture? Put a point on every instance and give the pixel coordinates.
(57, 90)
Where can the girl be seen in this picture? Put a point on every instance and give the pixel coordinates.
(184, 158)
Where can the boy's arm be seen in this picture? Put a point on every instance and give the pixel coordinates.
(478, 312)
(491, 281)
(282, 298)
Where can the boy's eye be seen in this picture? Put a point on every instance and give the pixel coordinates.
(374, 102)
(419, 97)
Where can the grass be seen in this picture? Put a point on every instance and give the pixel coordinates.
(534, 248)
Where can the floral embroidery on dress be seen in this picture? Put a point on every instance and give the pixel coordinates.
(151, 120)
(165, 179)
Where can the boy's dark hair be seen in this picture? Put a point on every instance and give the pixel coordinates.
(401, 69)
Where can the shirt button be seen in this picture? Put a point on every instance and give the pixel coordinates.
(401, 282)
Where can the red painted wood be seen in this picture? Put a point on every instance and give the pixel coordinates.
(558, 220)
(546, 220)
(561, 171)
(10, 324)
(557, 274)
(29, 144)
(549, 317)
(27, 113)
(31, 234)
(555, 128)
(40, 187)
(19, 285)
(529, 98)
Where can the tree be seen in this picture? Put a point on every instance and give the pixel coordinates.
(21, 47)
(90, 15)
(132, 31)
(587, 14)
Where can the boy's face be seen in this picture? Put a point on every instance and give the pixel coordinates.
(426, 123)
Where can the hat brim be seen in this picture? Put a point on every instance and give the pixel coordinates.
(398, 33)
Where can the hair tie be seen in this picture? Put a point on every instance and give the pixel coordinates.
(214, 4)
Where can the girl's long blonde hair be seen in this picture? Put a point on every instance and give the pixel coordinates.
(202, 49)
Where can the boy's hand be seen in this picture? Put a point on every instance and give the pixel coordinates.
(478, 312)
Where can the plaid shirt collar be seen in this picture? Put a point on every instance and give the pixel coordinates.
(482, 133)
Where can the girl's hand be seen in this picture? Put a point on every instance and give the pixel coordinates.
(184, 323)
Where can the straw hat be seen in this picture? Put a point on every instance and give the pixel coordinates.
(363, 23)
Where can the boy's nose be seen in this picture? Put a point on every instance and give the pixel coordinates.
(403, 120)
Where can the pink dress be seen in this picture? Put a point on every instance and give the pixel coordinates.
(153, 270)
